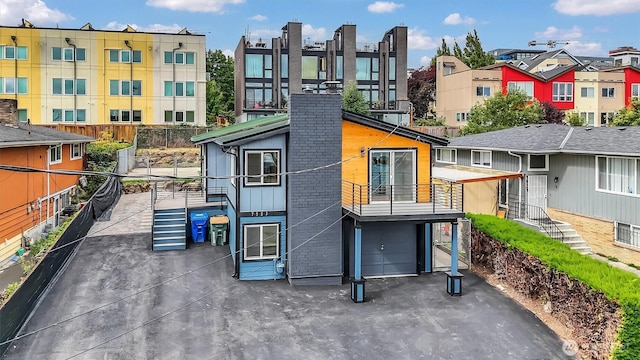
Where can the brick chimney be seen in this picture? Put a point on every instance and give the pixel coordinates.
(9, 111)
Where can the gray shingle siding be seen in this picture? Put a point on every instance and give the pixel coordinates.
(315, 139)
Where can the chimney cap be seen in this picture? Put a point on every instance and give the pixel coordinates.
(307, 89)
(332, 86)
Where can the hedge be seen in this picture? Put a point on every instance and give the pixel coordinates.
(618, 285)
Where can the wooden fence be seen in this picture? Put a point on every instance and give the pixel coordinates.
(120, 132)
(441, 131)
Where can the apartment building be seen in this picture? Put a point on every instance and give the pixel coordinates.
(89, 76)
(268, 71)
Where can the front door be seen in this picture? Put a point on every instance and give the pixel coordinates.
(392, 176)
(536, 196)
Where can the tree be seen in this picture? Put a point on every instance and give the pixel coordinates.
(354, 101)
(552, 115)
(443, 50)
(421, 87)
(503, 111)
(574, 119)
(474, 56)
(220, 68)
(628, 116)
(457, 51)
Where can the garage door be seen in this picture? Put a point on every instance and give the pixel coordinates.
(388, 249)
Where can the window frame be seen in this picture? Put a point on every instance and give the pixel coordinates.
(635, 179)
(55, 151)
(485, 91)
(503, 189)
(556, 92)
(610, 92)
(517, 86)
(479, 164)
(635, 88)
(73, 155)
(546, 162)
(632, 229)
(262, 175)
(439, 155)
(586, 94)
(261, 226)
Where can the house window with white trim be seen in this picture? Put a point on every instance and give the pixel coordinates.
(588, 118)
(261, 241)
(461, 117)
(524, 86)
(262, 167)
(55, 154)
(627, 234)
(232, 168)
(616, 175)
(503, 193)
(635, 91)
(76, 151)
(587, 92)
(538, 162)
(447, 156)
(483, 91)
(481, 158)
(562, 91)
(608, 92)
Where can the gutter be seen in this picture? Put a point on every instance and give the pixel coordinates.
(14, 144)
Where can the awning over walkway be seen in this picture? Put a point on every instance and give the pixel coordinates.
(467, 174)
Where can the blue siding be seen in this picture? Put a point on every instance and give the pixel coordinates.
(264, 198)
(231, 213)
(219, 164)
(262, 269)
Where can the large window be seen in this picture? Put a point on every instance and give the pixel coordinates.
(339, 67)
(608, 92)
(635, 91)
(562, 91)
(367, 68)
(55, 154)
(627, 234)
(253, 65)
(483, 91)
(261, 241)
(447, 156)
(587, 92)
(67, 54)
(178, 88)
(481, 158)
(69, 87)
(69, 115)
(617, 174)
(12, 52)
(284, 66)
(262, 167)
(588, 118)
(524, 86)
(14, 86)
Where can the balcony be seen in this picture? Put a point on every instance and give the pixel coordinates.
(421, 200)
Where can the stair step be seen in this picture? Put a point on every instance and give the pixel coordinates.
(169, 246)
(169, 215)
(166, 211)
(164, 225)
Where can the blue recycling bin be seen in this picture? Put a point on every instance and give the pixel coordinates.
(199, 223)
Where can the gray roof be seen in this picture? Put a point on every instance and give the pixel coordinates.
(550, 74)
(29, 135)
(554, 138)
(534, 61)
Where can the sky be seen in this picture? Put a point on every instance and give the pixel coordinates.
(584, 27)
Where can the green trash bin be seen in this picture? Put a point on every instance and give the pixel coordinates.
(218, 227)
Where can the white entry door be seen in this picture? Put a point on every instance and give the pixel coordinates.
(536, 195)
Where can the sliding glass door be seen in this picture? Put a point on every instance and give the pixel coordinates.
(392, 175)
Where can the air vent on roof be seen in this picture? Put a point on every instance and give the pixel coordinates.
(526, 126)
(538, 126)
(622, 128)
(588, 129)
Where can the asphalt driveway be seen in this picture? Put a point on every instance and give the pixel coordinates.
(405, 318)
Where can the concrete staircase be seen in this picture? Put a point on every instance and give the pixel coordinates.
(570, 235)
(169, 229)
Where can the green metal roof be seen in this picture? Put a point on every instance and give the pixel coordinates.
(237, 137)
(241, 129)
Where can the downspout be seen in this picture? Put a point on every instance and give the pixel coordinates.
(173, 83)
(519, 182)
(239, 234)
(48, 180)
(15, 66)
(75, 82)
(126, 42)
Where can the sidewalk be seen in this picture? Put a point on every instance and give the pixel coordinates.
(143, 173)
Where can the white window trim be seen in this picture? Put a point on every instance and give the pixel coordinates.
(556, 97)
(232, 168)
(636, 194)
(71, 146)
(631, 229)
(54, 162)
(608, 97)
(261, 257)
(246, 170)
(479, 165)
(546, 163)
(455, 155)
(516, 83)
(637, 97)
(500, 189)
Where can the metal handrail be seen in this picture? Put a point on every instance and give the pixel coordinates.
(542, 220)
(154, 197)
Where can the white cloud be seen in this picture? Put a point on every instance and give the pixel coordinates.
(384, 7)
(416, 39)
(309, 31)
(586, 49)
(35, 11)
(258, 17)
(228, 52)
(596, 7)
(174, 28)
(554, 33)
(456, 19)
(264, 33)
(425, 61)
(204, 6)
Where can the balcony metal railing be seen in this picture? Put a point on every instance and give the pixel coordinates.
(383, 199)
(537, 216)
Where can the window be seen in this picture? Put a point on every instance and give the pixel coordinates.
(168, 88)
(190, 58)
(461, 117)
(587, 92)
(617, 175)
(22, 85)
(22, 53)
(81, 86)
(262, 167)
(284, 66)
(179, 116)
(126, 87)
(605, 117)
(168, 116)
(254, 66)
(588, 118)
(503, 193)
(68, 86)
(524, 86)
(9, 52)
(137, 88)
(179, 58)
(261, 241)
(538, 162)
(168, 57)
(627, 234)
(190, 88)
(57, 115)
(447, 70)
(608, 92)
(481, 158)
(57, 86)
(447, 156)
(114, 115)
(562, 91)
(483, 91)
(68, 54)
(339, 67)
(22, 115)
(114, 87)
(56, 53)
(190, 116)
(137, 115)
(114, 55)
(392, 68)
(9, 85)
(179, 89)
(81, 115)
(125, 56)
(14, 86)
(81, 54)
(137, 56)
(68, 115)
(635, 91)
(76, 151)
(232, 168)
(126, 115)
(55, 154)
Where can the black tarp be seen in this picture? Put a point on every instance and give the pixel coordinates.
(17, 310)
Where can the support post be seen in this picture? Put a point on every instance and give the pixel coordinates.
(454, 278)
(357, 283)
(428, 248)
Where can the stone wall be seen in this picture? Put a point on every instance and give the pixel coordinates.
(184, 157)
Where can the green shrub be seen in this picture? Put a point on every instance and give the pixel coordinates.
(10, 289)
(618, 285)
